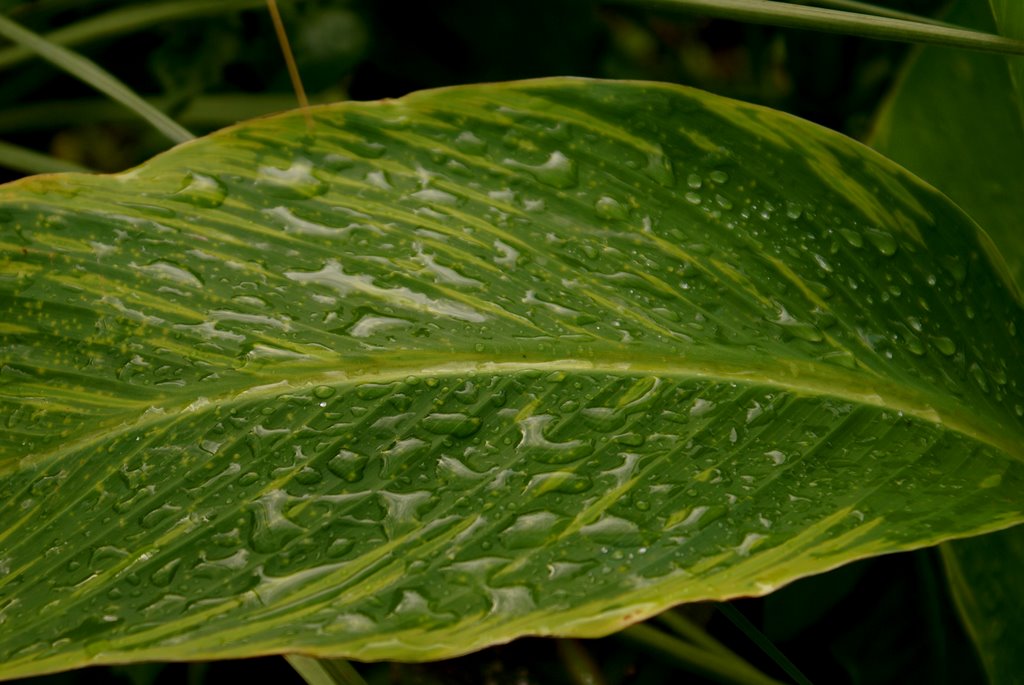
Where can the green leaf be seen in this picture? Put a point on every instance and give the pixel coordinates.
(984, 576)
(942, 95)
(532, 358)
(923, 126)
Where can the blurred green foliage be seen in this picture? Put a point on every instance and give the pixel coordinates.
(213, 70)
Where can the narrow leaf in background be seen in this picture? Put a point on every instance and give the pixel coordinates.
(790, 15)
(125, 20)
(94, 75)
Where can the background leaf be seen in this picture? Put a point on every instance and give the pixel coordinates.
(957, 119)
(984, 575)
(478, 363)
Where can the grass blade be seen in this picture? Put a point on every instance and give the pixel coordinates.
(210, 111)
(578, 663)
(714, 666)
(32, 162)
(680, 624)
(837, 21)
(325, 671)
(124, 20)
(766, 645)
(94, 75)
(876, 10)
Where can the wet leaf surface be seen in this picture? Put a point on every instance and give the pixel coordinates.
(533, 358)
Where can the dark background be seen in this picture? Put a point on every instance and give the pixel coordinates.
(887, 620)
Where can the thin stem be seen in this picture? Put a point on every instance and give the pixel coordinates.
(32, 162)
(762, 641)
(719, 668)
(289, 60)
(578, 664)
(124, 20)
(835, 21)
(324, 671)
(687, 629)
(94, 75)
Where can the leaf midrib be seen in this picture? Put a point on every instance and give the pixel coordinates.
(808, 378)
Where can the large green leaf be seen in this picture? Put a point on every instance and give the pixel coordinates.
(957, 119)
(532, 358)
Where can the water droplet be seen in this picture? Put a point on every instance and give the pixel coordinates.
(435, 197)
(914, 344)
(693, 181)
(530, 530)
(610, 528)
(719, 177)
(157, 516)
(609, 208)
(171, 272)
(296, 180)
(308, 475)
(507, 255)
(749, 542)
(558, 171)
(379, 179)
(468, 393)
(455, 424)
(701, 407)
(201, 190)
(659, 167)
(979, 376)
(403, 510)
(467, 141)
(165, 574)
(883, 242)
(348, 466)
(944, 345)
(604, 419)
(369, 149)
(511, 601)
(548, 451)
(323, 391)
(797, 329)
(852, 237)
(559, 481)
(271, 530)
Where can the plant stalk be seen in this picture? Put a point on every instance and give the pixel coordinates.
(719, 668)
(324, 671)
